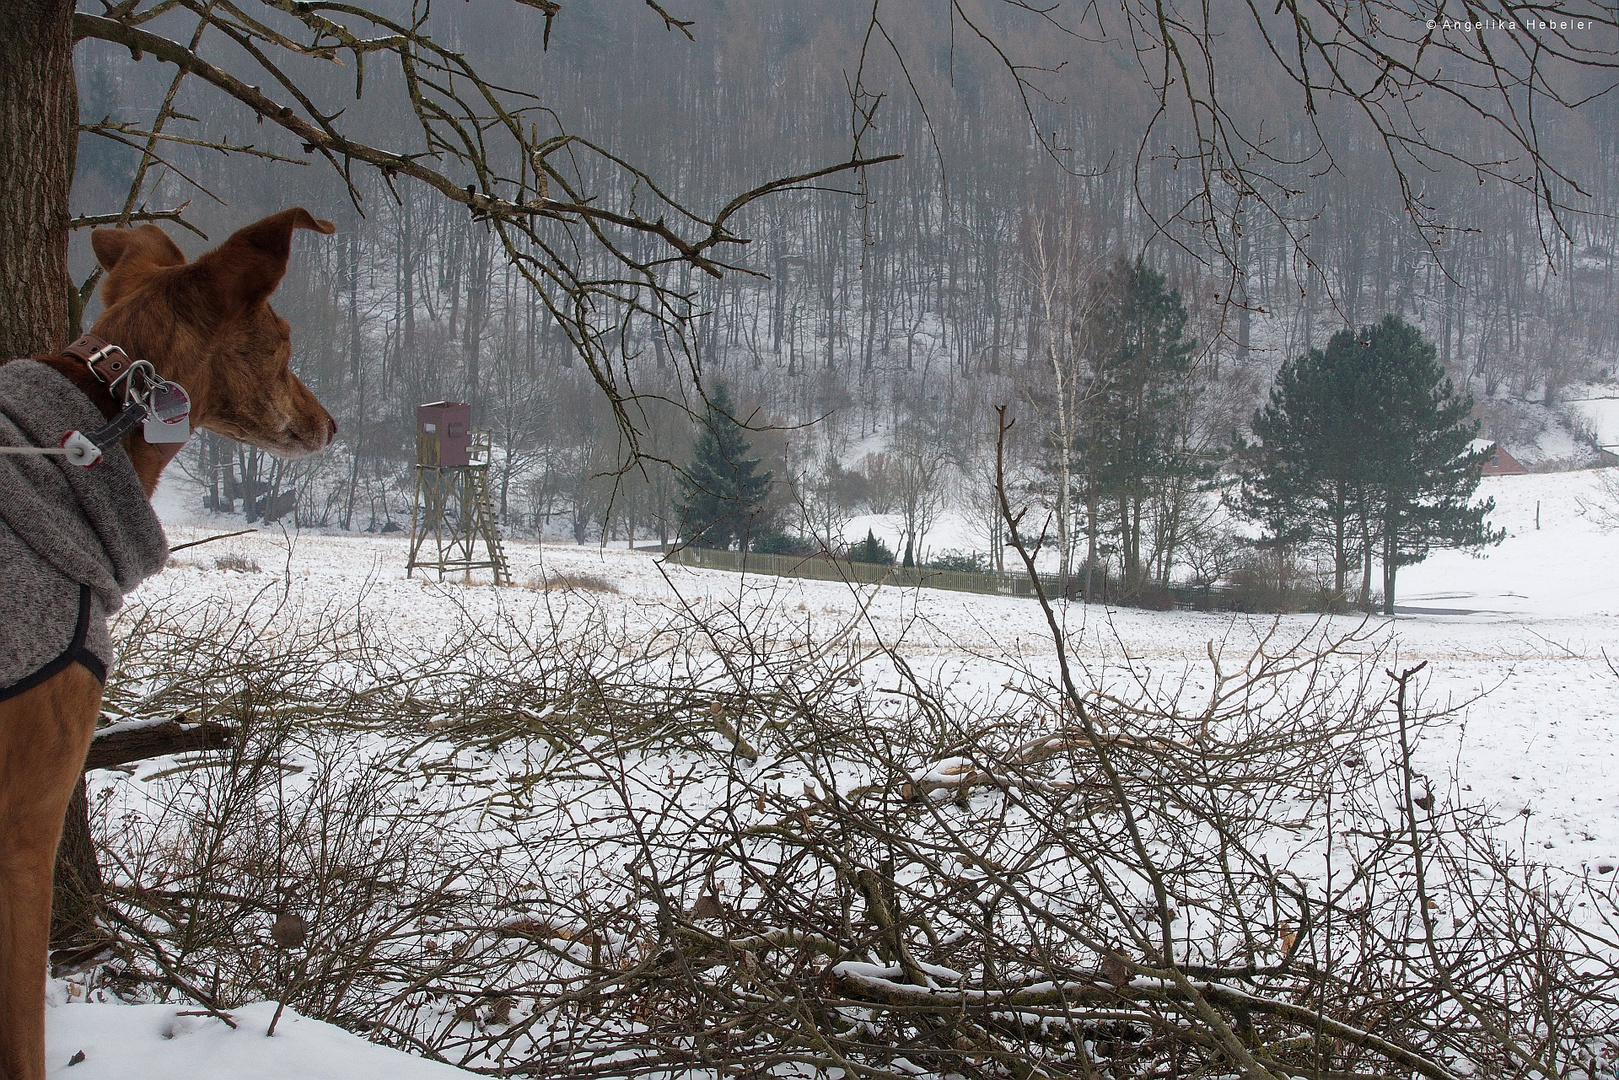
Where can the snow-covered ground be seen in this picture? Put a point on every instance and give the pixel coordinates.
(1518, 640)
(1522, 634)
(140, 1042)
(1599, 405)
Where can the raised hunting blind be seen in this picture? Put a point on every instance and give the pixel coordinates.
(444, 434)
(452, 518)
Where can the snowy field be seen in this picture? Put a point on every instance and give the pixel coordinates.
(1517, 643)
(1599, 405)
(1517, 638)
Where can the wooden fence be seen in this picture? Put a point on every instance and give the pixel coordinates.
(818, 568)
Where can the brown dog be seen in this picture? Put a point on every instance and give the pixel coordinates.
(208, 326)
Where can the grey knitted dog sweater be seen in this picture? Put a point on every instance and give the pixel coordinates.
(73, 541)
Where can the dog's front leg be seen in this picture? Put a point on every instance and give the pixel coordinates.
(44, 735)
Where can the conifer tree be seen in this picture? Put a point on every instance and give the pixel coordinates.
(1368, 437)
(871, 550)
(1141, 359)
(723, 493)
(1306, 479)
(1422, 471)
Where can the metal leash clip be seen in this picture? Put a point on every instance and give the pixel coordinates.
(168, 413)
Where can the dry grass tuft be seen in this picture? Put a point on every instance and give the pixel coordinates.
(573, 581)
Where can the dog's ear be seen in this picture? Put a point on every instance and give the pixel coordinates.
(246, 269)
(126, 247)
(124, 252)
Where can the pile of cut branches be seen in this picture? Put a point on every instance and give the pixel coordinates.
(603, 853)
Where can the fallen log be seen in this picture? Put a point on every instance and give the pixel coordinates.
(137, 740)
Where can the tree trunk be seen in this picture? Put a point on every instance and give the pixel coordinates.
(1092, 508)
(39, 115)
(1340, 547)
(1365, 562)
(76, 893)
(1391, 549)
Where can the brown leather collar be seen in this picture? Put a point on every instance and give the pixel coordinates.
(106, 361)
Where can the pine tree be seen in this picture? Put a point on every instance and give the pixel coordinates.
(1137, 409)
(1422, 471)
(1363, 447)
(723, 493)
(1307, 479)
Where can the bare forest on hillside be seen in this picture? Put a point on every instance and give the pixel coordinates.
(877, 317)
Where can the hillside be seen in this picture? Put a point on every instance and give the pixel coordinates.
(913, 289)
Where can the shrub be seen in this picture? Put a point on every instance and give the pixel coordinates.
(412, 820)
(781, 543)
(871, 550)
(969, 563)
(1151, 598)
(572, 581)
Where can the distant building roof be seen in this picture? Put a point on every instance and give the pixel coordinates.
(1499, 463)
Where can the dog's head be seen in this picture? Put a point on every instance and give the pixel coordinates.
(208, 325)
